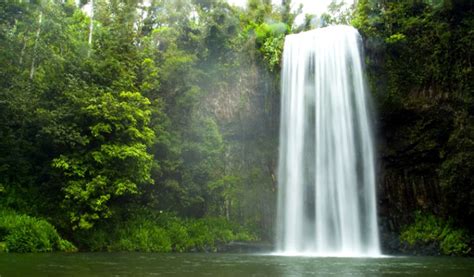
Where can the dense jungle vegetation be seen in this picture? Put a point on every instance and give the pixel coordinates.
(154, 126)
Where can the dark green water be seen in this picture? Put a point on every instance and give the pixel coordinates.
(139, 264)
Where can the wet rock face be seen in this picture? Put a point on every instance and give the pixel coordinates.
(389, 239)
(409, 152)
(423, 96)
(414, 144)
(423, 145)
(246, 109)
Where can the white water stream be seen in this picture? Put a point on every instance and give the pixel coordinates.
(326, 201)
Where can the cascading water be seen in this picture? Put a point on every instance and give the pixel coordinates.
(326, 201)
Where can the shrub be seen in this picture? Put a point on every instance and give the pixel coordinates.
(22, 233)
(66, 246)
(201, 237)
(3, 247)
(144, 237)
(95, 239)
(429, 229)
(164, 232)
(180, 237)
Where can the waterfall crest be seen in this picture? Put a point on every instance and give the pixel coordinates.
(326, 198)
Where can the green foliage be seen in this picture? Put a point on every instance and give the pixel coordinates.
(429, 229)
(395, 38)
(3, 247)
(87, 126)
(272, 50)
(338, 13)
(267, 26)
(144, 237)
(418, 40)
(113, 162)
(66, 246)
(164, 232)
(94, 239)
(22, 233)
(269, 39)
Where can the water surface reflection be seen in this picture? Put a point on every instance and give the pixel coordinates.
(141, 264)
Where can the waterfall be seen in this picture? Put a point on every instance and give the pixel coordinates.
(326, 198)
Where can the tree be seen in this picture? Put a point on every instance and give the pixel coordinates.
(114, 160)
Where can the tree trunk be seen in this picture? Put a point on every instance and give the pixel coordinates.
(228, 204)
(91, 28)
(38, 32)
(22, 53)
